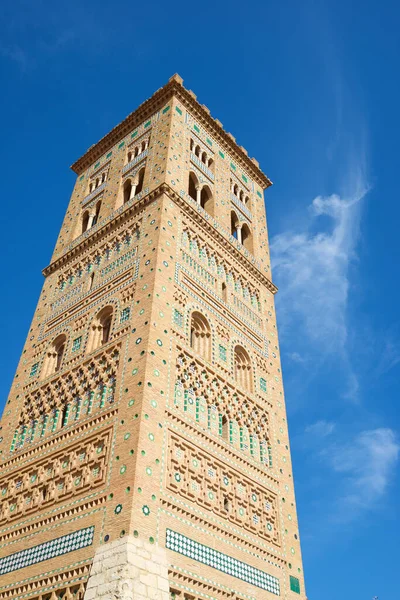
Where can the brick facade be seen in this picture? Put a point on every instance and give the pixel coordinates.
(145, 448)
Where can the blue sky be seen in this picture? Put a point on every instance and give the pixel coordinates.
(311, 89)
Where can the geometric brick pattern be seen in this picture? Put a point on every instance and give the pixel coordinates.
(36, 554)
(222, 562)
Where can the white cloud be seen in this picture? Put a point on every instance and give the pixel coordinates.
(368, 463)
(311, 269)
(320, 428)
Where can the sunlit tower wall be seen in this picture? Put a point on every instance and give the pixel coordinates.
(144, 444)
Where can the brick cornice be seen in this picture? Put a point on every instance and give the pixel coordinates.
(201, 113)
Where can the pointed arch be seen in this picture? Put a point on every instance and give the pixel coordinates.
(200, 335)
(243, 371)
(206, 200)
(85, 221)
(234, 224)
(247, 238)
(139, 181)
(193, 185)
(100, 330)
(54, 356)
(127, 190)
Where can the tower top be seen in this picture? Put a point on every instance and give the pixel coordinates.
(174, 87)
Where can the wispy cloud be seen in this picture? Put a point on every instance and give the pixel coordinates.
(320, 429)
(312, 268)
(367, 463)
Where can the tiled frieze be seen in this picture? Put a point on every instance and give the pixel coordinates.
(56, 547)
(222, 562)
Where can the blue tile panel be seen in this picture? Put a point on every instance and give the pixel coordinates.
(208, 556)
(36, 554)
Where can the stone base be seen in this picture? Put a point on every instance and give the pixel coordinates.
(128, 569)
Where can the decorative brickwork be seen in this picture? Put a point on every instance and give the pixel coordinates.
(144, 450)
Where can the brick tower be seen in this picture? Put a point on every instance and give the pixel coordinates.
(145, 450)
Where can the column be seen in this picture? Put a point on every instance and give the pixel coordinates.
(133, 190)
(198, 194)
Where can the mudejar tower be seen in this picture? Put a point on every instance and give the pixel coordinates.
(145, 449)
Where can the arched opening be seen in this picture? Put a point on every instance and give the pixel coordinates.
(90, 284)
(200, 335)
(143, 147)
(127, 190)
(191, 145)
(136, 151)
(197, 151)
(235, 189)
(129, 157)
(60, 349)
(225, 428)
(54, 357)
(224, 292)
(91, 187)
(64, 415)
(206, 200)
(193, 184)
(106, 328)
(97, 213)
(139, 186)
(247, 238)
(103, 177)
(242, 369)
(210, 163)
(100, 330)
(204, 158)
(234, 224)
(85, 221)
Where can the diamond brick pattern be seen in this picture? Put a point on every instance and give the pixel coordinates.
(36, 554)
(213, 558)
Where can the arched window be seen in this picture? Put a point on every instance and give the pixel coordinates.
(140, 179)
(247, 238)
(85, 221)
(143, 147)
(90, 284)
(197, 151)
(206, 200)
(200, 335)
(242, 369)
(103, 177)
(53, 361)
(193, 185)
(235, 189)
(204, 158)
(234, 224)
(100, 330)
(136, 151)
(127, 190)
(96, 215)
(129, 157)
